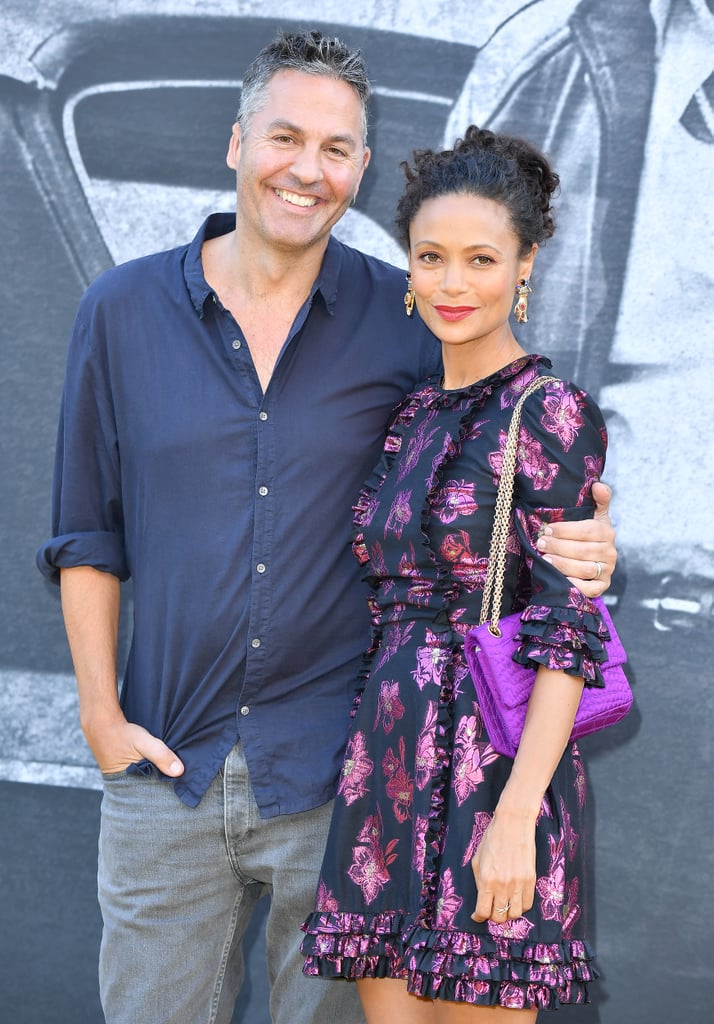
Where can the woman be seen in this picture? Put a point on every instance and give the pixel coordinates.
(453, 879)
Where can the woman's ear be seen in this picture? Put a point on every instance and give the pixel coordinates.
(526, 264)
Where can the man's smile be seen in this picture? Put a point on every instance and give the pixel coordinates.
(294, 198)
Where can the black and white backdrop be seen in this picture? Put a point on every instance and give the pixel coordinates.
(114, 119)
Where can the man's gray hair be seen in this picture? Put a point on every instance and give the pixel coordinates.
(308, 52)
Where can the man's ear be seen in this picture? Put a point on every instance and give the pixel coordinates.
(365, 160)
(233, 154)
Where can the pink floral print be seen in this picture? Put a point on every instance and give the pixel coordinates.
(400, 785)
(551, 887)
(368, 870)
(395, 637)
(570, 836)
(324, 899)
(471, 756)
(530, 460)
(425, 759)
(468, 567)
(593, 471)
(421, 823)
(482, 819)
(562, 416)
(399, 515)
(370, 861)
(421, 440)
(431, 661)
(449, 902)
(389, 706)
(456, 498)
(357, 768)
(571, 907)
(517, 929)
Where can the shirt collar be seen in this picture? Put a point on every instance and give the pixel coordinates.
(220, 224)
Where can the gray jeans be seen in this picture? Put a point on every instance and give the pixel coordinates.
(177, 887)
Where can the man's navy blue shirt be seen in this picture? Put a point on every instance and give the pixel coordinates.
(231, 509)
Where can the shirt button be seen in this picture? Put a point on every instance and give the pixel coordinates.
(245, 710)
(262, 416)
(262, 491)
(236, 343)
(255, 642)
(260, 567)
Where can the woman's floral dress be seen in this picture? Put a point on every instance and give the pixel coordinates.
(420, 779)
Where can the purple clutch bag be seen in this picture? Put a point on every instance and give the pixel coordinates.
(503, 687)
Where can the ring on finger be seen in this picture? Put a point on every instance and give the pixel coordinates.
(598, 571)
(502, 910)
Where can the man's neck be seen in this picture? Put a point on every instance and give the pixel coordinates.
(263, 289)
(250, 271)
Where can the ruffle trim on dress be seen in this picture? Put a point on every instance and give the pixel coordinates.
(566, 639)
(363, 511)
(488, 971)
(458, 966)
(363, 508)
(341, 945)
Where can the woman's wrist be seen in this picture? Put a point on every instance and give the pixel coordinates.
(519, 803)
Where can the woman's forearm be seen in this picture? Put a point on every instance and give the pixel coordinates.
(549, 721)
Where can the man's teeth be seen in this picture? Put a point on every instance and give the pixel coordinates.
(294, 198)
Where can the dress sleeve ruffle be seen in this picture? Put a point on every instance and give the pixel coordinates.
(571, 640)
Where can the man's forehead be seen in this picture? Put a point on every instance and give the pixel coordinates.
(288, 87)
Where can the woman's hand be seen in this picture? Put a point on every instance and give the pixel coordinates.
(504, 868)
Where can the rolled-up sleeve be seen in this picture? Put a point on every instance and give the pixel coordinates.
(87, 516)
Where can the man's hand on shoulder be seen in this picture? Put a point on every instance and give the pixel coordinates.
(584, 551)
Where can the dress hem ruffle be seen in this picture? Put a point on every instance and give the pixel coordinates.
(484, 970)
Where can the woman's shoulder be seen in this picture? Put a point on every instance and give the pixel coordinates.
(564, 418)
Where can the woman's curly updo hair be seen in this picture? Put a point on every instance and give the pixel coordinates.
(509, 170)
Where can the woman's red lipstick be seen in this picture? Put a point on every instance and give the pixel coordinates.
(454, 312)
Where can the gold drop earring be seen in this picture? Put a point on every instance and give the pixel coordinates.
(409, 296)
(523, 290)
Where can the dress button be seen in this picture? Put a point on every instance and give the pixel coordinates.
(262, 416)
(237, 343)
(255, 642)
(260, 567)
(262, 491)
(245, 710)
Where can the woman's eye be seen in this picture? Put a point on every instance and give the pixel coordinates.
(429, 257)
(482, 261)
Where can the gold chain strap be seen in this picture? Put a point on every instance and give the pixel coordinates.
(493, 589)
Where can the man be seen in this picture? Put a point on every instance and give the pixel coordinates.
(223, 403)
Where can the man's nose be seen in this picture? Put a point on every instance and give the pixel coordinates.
(307, 165)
